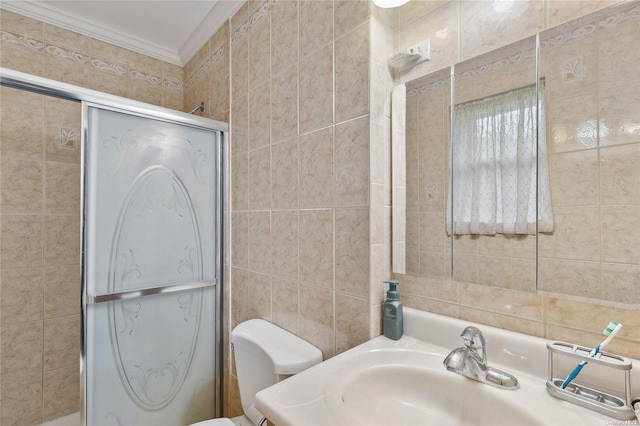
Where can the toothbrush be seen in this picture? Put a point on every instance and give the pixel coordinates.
(612, 329)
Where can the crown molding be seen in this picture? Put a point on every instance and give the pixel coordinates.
(216, 17)
(211, 23)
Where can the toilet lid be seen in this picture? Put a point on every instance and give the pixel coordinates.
(215, 422)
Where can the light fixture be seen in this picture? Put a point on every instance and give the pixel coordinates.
(389, 3)
(502, 5)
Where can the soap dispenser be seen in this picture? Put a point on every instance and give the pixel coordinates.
(392, 312)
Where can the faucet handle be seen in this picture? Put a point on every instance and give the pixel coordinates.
(472, 337)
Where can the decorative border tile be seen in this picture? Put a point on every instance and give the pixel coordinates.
(216, 56)
(497, 65)
(146, 78)
(428, 87)
(209, 63)
(100, 64)
(253, 20)
(262, 11)
(68, 138)
(478, 70)
(108, 67)
(71, 55)
(568, 36)
(572, 69)
(34, 45)
(172, 85)
(586, 26)
(620, 17)
(240, 32)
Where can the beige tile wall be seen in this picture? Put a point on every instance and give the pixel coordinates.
(300, 166)
(40, 256)
(589, 255)
(593, 103)
(40, 205)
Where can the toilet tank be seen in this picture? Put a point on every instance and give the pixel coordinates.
(265, 354)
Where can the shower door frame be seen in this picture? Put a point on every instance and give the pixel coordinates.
(27, 82)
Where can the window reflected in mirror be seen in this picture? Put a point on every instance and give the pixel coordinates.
(493, 187)
(494, 172)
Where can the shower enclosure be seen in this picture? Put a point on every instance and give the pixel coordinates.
(151, 259)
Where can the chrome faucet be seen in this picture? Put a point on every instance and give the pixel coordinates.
(471, 361)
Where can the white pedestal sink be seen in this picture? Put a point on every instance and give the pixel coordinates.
(393, 387)
(387, 382)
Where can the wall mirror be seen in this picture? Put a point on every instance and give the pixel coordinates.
(585, 115)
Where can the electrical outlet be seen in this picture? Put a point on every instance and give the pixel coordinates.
(411, 56)
(423, 49)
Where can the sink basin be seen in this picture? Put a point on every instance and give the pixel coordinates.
(404, 382)
(404, 388)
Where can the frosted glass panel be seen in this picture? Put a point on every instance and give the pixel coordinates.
(149, 222)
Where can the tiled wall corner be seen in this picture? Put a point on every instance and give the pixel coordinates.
(206, 78)
(380, 191)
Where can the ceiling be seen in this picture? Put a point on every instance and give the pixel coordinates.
(170, 30)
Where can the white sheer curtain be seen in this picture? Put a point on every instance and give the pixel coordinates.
(494, 167)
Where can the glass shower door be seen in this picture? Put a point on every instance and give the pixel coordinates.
(150, 269)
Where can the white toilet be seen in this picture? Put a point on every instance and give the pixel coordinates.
(264, 355)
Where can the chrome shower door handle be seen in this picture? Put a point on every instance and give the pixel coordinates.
(147, 291)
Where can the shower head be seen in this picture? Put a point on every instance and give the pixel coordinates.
(199, 107)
